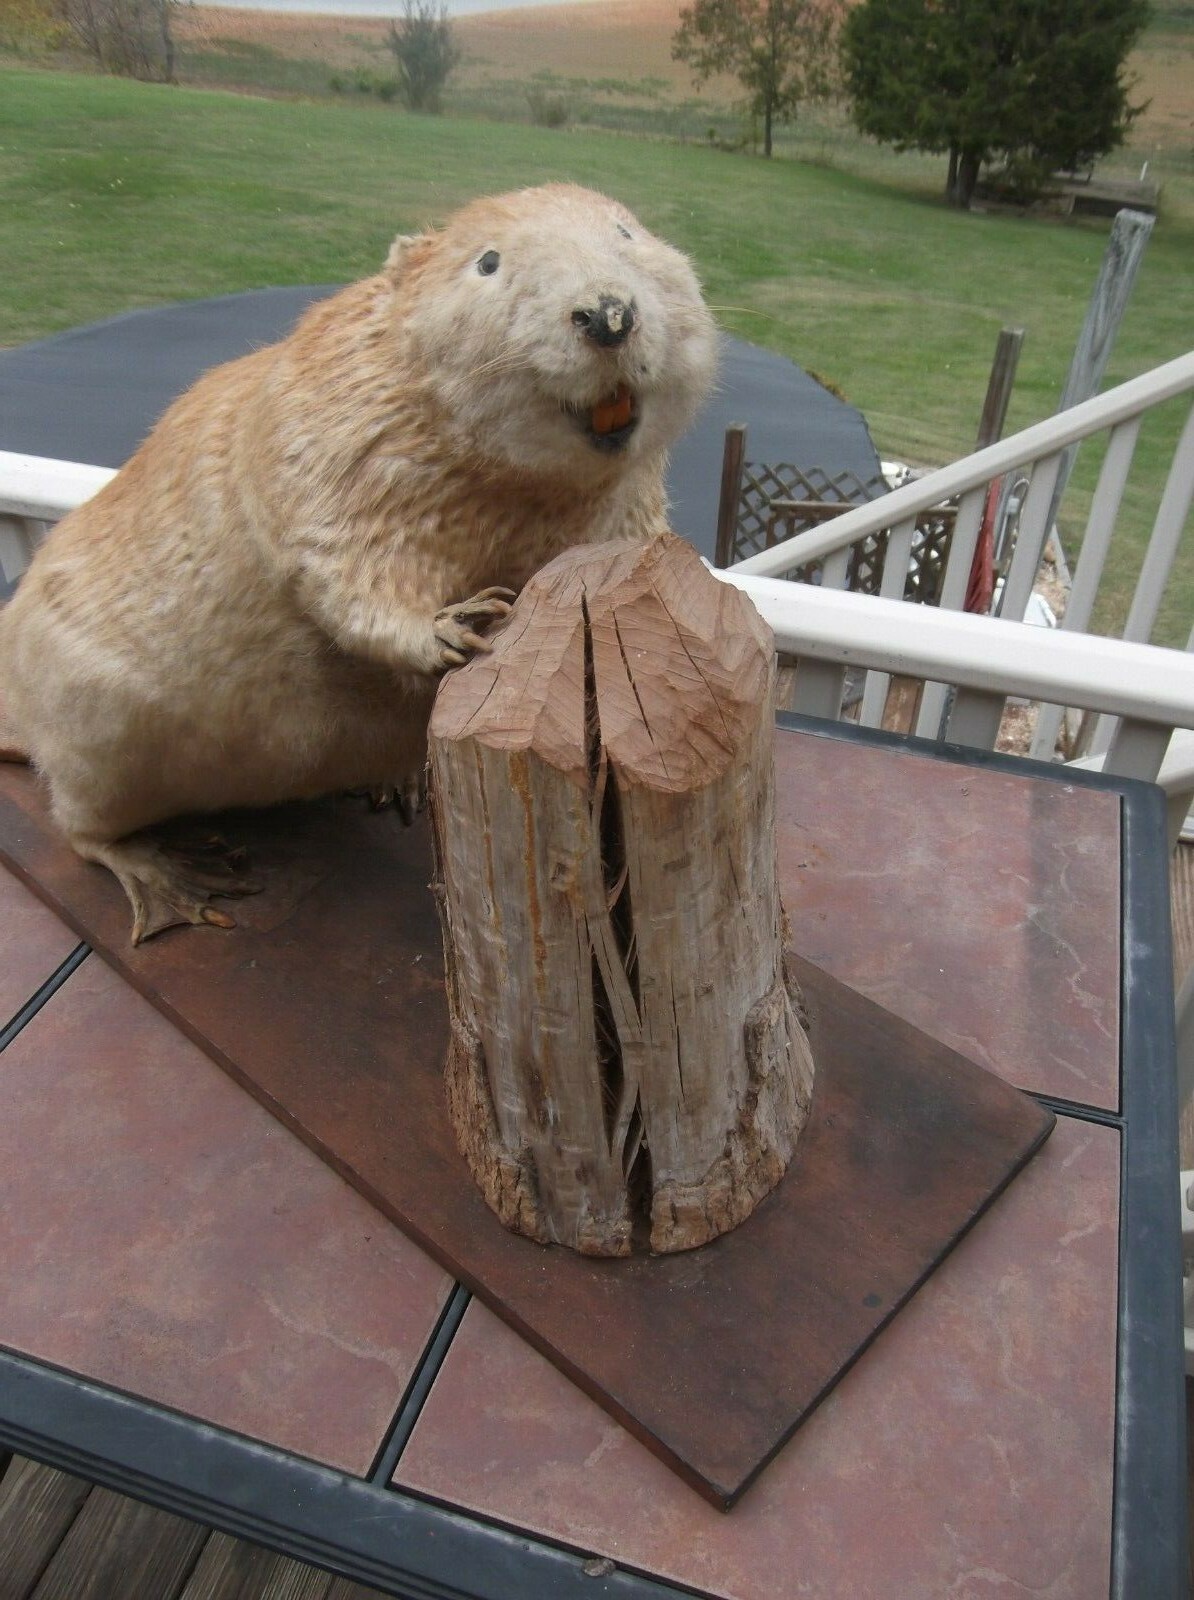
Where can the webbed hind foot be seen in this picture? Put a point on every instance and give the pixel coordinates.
(172, 884)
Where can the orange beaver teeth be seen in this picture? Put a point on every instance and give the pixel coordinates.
(616, 412)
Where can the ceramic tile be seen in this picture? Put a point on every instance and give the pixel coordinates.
(981, 906)
(161, 1232)
(33, 944)
(968, 1453)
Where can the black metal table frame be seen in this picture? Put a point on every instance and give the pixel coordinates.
(412, 1547)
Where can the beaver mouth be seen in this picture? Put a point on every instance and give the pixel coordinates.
(609, 424)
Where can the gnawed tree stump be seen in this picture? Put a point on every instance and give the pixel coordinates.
(627, 1065)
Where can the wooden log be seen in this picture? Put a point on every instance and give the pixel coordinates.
(627, 1067)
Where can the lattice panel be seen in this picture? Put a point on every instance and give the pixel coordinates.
(814, 497)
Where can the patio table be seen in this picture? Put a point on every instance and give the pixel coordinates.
(201, 1312)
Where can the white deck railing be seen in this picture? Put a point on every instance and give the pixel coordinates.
(1144, 692)
(1037, 453)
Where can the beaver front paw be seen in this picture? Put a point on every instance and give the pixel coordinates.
(456, 625)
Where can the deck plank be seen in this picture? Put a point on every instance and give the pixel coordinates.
(231, 1569)
(37, 1507)
(117, 1546)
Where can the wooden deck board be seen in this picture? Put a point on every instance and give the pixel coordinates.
(37, 1508)
(62, 1538)
(117, 1546)
(230, 1569)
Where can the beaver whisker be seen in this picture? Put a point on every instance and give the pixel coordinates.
(508, 361)
(747, 311)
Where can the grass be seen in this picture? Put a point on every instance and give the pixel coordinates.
(115, 195)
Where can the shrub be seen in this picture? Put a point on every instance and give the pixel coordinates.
(425, 51)
(547, 110)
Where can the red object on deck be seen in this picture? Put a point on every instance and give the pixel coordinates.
(980, 590)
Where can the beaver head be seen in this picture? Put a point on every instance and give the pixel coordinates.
(552, 332)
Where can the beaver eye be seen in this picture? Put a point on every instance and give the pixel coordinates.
(625, 232)
(488, 263)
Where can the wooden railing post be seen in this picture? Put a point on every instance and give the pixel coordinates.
(1130, 233)
(999, 387)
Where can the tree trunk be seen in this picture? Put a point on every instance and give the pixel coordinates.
(767, 128)
(951, 177)
(167, 37)
(969, 162)
(627, 1066)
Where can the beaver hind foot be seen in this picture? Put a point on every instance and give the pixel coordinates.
(169, 885)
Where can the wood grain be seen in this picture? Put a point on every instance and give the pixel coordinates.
(121, 1547)
(231, 1569)
(37, 1507)
(627, 1066)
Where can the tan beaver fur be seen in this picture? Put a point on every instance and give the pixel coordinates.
(258, 606)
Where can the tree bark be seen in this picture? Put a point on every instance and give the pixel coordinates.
(167, 37)
(969, 162)
(627, 1066)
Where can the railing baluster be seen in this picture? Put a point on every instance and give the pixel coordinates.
(836, 570)
(1092, 558)
(974, 718)
(953, 597)
(819, 688)
(1031, 539)
(1137, 750)
(1158, 559)
(19, 537)
(895, 577)
(1162, 546)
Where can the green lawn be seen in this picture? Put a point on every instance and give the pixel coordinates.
(115, 194)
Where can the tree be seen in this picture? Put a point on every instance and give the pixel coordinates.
(1038, 84)
(426, 53)
(781, 51)
(129, 37)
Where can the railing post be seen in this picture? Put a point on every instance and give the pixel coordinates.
(19, 537)
(999, 387)
(732, 461)
(1113, 289)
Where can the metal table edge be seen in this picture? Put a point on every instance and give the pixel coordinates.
(397, 1542)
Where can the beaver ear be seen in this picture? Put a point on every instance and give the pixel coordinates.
(399, 250)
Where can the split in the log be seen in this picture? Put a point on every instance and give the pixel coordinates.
(627, 1068)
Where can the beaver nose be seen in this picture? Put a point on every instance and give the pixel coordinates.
(607, 323)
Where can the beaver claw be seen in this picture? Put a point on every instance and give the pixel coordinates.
(409, 796)
(171, 883)
(456, 625)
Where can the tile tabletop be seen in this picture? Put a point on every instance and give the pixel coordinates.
(968, 1452)
(33, 944)
(173, 1240)
(982, 906)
